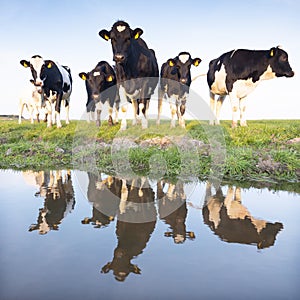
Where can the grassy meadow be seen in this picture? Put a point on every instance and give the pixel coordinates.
(266, 150)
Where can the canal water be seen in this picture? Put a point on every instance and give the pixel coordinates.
(76, 235)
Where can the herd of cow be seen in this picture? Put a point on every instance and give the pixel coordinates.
(135, 77)
(138, 205)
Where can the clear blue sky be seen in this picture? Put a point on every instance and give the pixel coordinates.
(67, 31)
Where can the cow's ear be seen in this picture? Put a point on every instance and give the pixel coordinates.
(104, 34)
(31, 81)
(49, 64)
(83, 75)
(196, 62)
(171, 62)
(136, 33)
(109, 78)
(25, 63)
(272, 51)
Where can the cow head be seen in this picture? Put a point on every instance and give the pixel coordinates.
(279, 63)
(121, 36)
(183, 63)
(94, 82)
(37, 66)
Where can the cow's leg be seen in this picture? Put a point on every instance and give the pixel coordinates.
(67, 107)
(235, 109)
(30, 110)
(117, 107)
(243, 120)
(57, 110)
(124, 197)
(173, 112)
(218, 108)
(21, 108)
(98, 111)
(123, 100)
(48, 114)
(144, 107)
(160, 102)
(182, 111)
(110, 119)
(212, 108)
(135, 112)
(36, 111)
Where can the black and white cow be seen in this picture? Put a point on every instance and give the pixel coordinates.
(175, 81)
(56, 188)
(31, 98)
(53, 79)
(173, 210)
(228, 218)
(101, 87)
(136, 69)
(136, 222)
(238, 72)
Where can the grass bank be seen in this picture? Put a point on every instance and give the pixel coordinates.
(263, 151)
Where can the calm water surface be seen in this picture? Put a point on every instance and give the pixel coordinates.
(74, 235)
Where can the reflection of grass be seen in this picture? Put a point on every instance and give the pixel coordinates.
(259, 151)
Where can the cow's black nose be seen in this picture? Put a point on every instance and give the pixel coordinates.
(119, 57)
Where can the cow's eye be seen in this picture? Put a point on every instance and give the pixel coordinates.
(283, 58)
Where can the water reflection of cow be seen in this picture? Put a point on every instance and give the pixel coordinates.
(173, 210)
(57, 190)
(132, 201)
(228, 218)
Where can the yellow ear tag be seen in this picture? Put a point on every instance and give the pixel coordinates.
(272, 53)
(49, 66)
(106, 37)
(83, 77)
(171, 64)
(137, 35)
(196, 63)
(109, 78)
(25, 65)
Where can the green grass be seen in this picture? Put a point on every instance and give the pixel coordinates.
(258, 152)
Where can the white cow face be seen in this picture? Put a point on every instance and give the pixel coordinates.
(37, 66)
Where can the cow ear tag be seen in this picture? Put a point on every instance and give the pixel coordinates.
(109, 78)
(83, 77)
(171, 64)
(196, 63)
(106, 37)
(25, 65)
(137, 35)
(272, 52)
(49, 66)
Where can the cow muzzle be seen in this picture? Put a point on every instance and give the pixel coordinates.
(95, 97)
(183, 80)
(38, 83)
(119, 58)
(290, 74)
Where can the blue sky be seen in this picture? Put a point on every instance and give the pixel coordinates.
(67, 31)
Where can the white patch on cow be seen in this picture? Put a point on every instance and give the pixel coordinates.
(121, 28)
(66, 79)
(233, 53)
(242, 88)
(37, 63)
(268, 74)
(96, 74)
(219, 85)
(184, 58)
